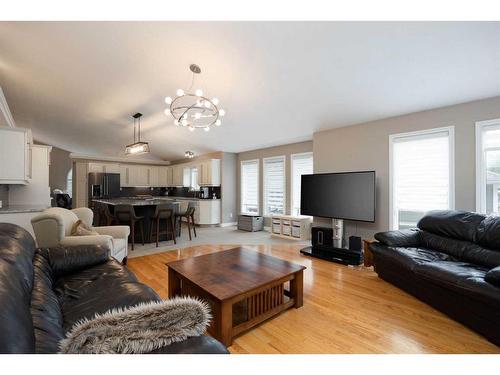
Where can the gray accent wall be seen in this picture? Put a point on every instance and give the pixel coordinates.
(286, 150)
(366, 147)
(229, 212)
(60, 164)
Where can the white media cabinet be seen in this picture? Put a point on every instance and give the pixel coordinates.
(291, 227)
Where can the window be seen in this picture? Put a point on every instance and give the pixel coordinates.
(488, 166)
(301, 164)
(69, 182)
(274, 185)
(190, 178)
(194, 179)
(250, 187)
(421, 175)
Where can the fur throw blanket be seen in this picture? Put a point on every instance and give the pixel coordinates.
(139, 329)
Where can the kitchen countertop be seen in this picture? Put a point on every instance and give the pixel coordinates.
(148, 201)
(133, 201)
(22, 208)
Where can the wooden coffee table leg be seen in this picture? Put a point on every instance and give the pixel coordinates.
(224, 315)
(174, 284)
(296, 289)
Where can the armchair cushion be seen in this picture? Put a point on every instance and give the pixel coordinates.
(81, 229)
(116, 231)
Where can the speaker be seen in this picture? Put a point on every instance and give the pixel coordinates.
(322, 236)
(355, 243)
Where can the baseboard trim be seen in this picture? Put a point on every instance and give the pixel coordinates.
(227, 224)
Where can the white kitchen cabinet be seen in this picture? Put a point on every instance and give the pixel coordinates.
(164, 176)
(15, 156)
(154, 177)
(124, 175)
(209, 211)
(209, 173)
(178, 175)
(104, 168)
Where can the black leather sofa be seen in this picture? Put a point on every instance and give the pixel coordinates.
(452, 262)
(43, 292)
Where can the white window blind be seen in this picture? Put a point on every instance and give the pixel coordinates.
(194, 179)
(422, 175)
(250, 187)
(488, 166)
(301, 164)
(274, 186)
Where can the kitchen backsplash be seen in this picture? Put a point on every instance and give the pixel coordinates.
(170, 191)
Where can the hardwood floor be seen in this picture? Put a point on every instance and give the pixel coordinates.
(346, 310)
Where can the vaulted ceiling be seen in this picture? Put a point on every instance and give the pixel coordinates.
(76, 84)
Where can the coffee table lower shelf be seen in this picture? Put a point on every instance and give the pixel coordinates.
(236, 315)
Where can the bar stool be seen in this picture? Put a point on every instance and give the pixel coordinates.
(163, 212)
(106, 218)
(125, 213)
(186, 211)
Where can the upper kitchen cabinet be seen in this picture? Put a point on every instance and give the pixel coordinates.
(15, 156)
(104, 168)
(209, 173)
(178, 175)
(165, 176)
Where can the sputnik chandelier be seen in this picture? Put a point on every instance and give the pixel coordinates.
(194, 110)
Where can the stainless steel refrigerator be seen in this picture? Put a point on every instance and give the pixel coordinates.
(104, 185)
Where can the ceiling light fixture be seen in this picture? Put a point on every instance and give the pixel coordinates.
(193, 110)
(137, 147)
(189, 154)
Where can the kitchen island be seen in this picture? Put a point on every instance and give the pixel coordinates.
(145, 208)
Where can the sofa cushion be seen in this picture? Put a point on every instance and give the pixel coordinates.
(45, 309)
(493, 276)
(461, 225)
(16, 281)
(461, 277)
(488, 233)
(98, 289)
(405, 237)
(461, 250)
(67, 260)
(408, 257)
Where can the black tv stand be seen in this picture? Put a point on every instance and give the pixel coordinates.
(334, 254)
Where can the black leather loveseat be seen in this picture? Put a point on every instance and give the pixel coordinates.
(43, 292)
(451, 262)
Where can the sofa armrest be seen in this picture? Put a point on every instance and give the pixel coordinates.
(65, 260)
(115, 231)
(404, 238)
(493, 276)
(97, 240)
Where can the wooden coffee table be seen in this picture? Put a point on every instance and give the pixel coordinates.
(243, 287)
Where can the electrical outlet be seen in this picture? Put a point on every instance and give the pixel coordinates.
(231, 214)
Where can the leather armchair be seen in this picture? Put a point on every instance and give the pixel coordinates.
(53, 228)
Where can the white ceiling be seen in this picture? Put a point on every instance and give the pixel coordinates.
(76, 84)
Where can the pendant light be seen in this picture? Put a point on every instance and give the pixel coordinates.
(137, 147)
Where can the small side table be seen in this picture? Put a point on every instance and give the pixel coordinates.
(368, 256)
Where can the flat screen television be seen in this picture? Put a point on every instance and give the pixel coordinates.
(345, 195)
